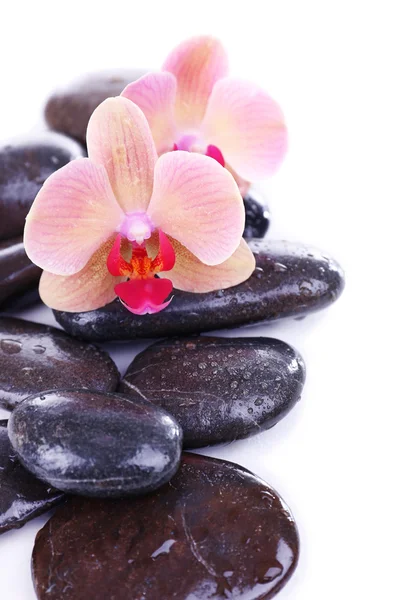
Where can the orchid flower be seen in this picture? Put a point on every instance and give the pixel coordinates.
(112, 224)
(193, 105)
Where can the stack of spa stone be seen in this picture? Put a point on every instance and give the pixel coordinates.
(137, 518)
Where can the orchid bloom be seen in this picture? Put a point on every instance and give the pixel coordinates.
(114, 223)
(193, 105)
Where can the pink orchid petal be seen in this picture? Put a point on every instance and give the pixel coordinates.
(214, 152)
(116, 263)
(247, 125)
(155, 95)
(72, 215)
(190, 275)
(243, 184)
(165, 258)
(197, 202)
(119, 138)
(144, 296)
(91, 288)
(197, 64)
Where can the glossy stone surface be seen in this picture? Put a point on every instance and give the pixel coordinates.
(96, 444)
(22, 496)
(18, 275)
(69, 109)
(215, 532)
(290, 280)
(218, 389)
(25, 164)
(257, 217)
(35, 357)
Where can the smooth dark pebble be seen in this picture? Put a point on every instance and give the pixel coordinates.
(69, 109)
(218, 389)
(35, 357)
(19, 277)
(22, 496)
(25, 164)
(96, 444)
(257, 217)
(215, 532)
(290, 280)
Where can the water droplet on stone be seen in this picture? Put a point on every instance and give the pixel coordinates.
(39, 349)
(258, 402)
(250, 410)
(11, 346)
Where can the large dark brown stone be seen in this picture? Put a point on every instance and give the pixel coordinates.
(96, 444)
(25, 164)
(22, 496)
(69, 109)
(35, 357)
(18, 276)
(290, 280)
(214, 532)
(218, 389)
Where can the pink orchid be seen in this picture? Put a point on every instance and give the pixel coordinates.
(113, 223)
(193, 105)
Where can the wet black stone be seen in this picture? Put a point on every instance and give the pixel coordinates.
(25, 164)
(19, 277)
(35, 357)
(22, 496)
(215, 532)
(290, 280)
(257, 217)
(96, 444)
(218, 389)
(69, 109)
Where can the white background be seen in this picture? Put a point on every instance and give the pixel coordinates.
(342, 73)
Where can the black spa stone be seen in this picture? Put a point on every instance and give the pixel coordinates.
(69, 109)
(22, 496)
(257, 217)
(218, 389)
(290, 280)
(25, 164)
(215, 532)
(96, 444)
(35, 357)
(19, 277)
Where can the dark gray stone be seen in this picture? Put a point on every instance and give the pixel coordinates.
(290, 280)
(257, 217)
(36, 357)
(25, 164)
(69, 109)
(218, 389)
(96, 444)
(22, 496)
(215, 532)
(19, 277)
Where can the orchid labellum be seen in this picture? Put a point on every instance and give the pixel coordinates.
(193, 105)
(113, 224)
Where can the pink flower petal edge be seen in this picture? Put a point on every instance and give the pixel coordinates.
(155, 95)
(190, 275)
(74, 213)
(119, 139)
(197, 202)
(89, 289)
(197, 64)
(247, 125)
